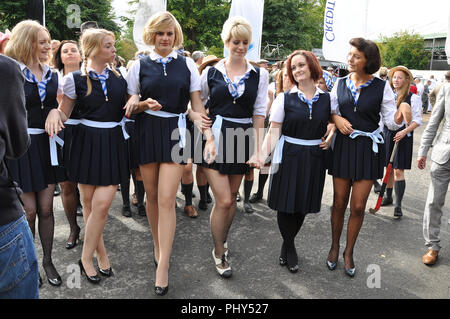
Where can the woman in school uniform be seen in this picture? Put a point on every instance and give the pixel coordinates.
(237, 94)
(37, 171)
(399, 79)
(161, 86)
(98, 158)
(357, 101)
(299, 120)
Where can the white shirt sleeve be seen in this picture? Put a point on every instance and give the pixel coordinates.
(69, 86)
(261, 100)
(204, 88)
(416, 109)
(388, 108)
(195, 75)
(132, 78)
(334, 99)
(60, 84)
(277, 109)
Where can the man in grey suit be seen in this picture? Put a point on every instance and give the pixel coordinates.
(440, 171)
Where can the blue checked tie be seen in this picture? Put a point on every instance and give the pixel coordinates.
(354, 90)
(164, 62)
(309, 102)
(102, 78)
(233, 87)
(42, 86)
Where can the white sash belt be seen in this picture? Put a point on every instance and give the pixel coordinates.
(72, 122)
(376, 137)
(52, 141)
(181, 123)
(278, 153)
(217, 126)
(97, 124)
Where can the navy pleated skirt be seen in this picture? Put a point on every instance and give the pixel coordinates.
(34, 171)
(354, 158)
(67, 135)
(132, 145)
(98, 156)
(234, 151)
(403, 158)
(297, 183)
(155, 143)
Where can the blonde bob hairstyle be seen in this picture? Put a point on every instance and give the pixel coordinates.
(91, 42)
(158, 22)
(24, 37)
(237, 28)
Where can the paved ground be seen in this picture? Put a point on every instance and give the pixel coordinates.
(387, 249)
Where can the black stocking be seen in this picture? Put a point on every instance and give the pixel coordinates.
(289, 225)
(46, 228)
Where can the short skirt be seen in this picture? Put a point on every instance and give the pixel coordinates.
(403, 157)
(354, 158)
(98, 156)
(235, 149)
(296, 184)
(33, 172)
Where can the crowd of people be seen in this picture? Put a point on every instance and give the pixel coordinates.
(85, 121)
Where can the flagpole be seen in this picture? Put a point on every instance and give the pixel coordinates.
(43, 13)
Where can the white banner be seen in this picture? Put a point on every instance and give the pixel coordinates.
(252, 10)
(447, 42)
(145, 10)
(343, 20)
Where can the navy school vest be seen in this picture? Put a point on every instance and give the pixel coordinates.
(367, 115)
(171, 91)
(94, 107)
(36, 115)
(221, 101)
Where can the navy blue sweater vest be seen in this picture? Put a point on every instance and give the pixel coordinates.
(221, 101)
(36, 115)
(171, 91)
(367, 115)
(94, 107)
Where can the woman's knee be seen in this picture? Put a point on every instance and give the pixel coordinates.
(225, 202)
(399, 174)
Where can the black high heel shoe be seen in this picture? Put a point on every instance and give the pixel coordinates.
(349, 271)
(105, 272)
(292, 265)
(161, 291)
(55, 281)
(69, 244)
(92, 279)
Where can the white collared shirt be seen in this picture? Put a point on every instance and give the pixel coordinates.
(45, 69)
(261, 99)
(388, 107)
(69, 83)
(134, 86)
(277, 110)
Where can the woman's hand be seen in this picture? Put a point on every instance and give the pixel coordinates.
(151, 104)
(209, 153)
(132, 105)
(255, 161)
(343, 125)
(202, 121)
(400, 135)
(54, 122)
(326, 143)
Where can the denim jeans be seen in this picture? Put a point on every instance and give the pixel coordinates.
(19, 277)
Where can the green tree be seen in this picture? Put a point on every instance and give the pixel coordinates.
(58, 13)
(406, 49)
(202, 22)
(296, 24)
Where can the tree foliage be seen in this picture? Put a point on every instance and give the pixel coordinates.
(58, 13)
(403, 48)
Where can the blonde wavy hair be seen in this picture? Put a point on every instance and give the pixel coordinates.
(22, 44)
(238, 28)
(160, 21)
(91, 42)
